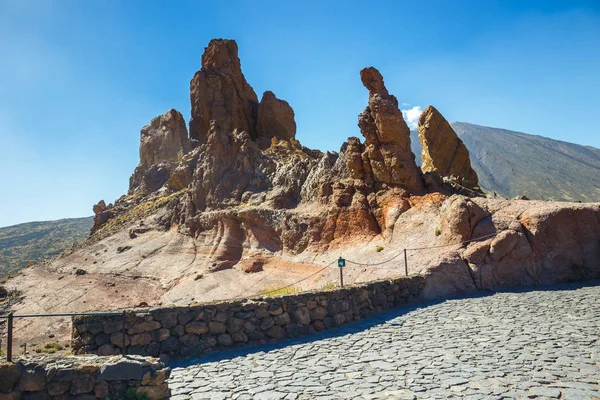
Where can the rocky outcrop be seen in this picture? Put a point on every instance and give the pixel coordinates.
(229, 167)
(101, 215)
(517, 244)
(163, 143)
(387, 137)
(459, 216)
(164, 139)
(220, 92)
(443, 152)
(244, 187)
(275, 119)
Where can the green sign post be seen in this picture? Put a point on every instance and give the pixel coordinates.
(341, 264)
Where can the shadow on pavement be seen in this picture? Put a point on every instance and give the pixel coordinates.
(364, 324)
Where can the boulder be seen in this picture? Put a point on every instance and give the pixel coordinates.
(387, 137)
(476, 252)
(219, 92)
(443, 152)
(503, 243)
(459, 216)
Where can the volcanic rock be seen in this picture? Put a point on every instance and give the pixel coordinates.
(99, 207)
(443, 152)
(164, 139)
(459, 217)
(101, 215)
(275, 119)
(229, 167)
(220, 92)
(163, 143)
(387, 146)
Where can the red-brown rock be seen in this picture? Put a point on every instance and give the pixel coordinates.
(387, 146)
(220, 92)
(443, 152)
(275, 119)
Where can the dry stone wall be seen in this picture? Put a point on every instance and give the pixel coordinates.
(187, 331)
(84, 377)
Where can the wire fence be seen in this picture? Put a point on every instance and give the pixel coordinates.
(403, 252)
(10, 317)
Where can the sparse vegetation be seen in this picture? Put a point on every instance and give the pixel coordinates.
(329, 286)
(53, 345)
(137, 213)
(379, 248)
(437, 232)
(279, 291)
(131, 394)
(26, 244)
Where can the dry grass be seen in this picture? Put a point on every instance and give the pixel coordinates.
(279, 291)
(329, 286)
(136, 213)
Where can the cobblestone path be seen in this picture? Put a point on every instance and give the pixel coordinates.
(539, 344)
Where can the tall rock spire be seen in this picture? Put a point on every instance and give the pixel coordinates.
(443, 152)
(220, 92)
(387, 136)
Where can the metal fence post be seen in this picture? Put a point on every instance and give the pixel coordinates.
(9, 341)
(405, 263)
(341, 277)
(123, 343)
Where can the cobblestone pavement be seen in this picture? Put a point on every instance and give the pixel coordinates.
(538, 344)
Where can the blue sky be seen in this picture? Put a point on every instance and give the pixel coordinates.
(78, 79)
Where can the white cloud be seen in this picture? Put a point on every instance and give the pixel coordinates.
(411, 116)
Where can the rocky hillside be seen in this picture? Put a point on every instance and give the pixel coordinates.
(35, 241)
(518, 164)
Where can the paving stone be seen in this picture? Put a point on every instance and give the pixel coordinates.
(539, 344)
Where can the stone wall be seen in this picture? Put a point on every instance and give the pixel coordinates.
(84, 378)
(200, 328)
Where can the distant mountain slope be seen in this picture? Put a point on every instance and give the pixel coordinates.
(515, 163)
(36, 241)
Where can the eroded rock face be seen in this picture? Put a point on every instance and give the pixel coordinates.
(164, 139)
(163, 143)
(459, 216)
(220, 92)
(443, 152)
(228, 167)
(243, 186)
(275, 119)
(387, 145)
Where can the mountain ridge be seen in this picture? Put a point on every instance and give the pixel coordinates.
(35, 241)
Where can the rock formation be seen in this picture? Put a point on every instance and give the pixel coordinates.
(387, 137)
(220, 92)
(443, 152)
(164, 139)
(243, 189)
(275, 119)
(163, 143)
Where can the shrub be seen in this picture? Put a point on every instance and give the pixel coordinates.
(131, 394)
(379, 248)
(437, 232)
